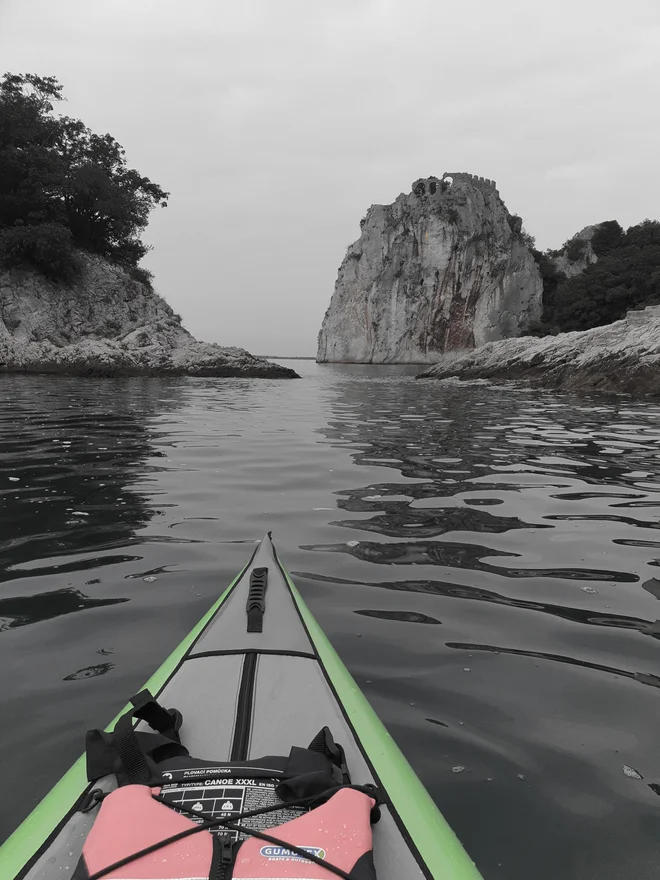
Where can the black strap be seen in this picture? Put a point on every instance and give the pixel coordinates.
(134, 768)
(164, 721)
(256, 601)
(128, 754)
(314, 771)
(324, 742)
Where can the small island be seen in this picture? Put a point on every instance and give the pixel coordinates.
(446, 266)
(74, 298)
(447, 276)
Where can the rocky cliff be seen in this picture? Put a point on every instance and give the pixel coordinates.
(106, 323)
(577, 254)
(623, 356)
(444, 267)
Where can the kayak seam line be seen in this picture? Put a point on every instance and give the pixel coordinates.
(240, 744)
(238, 651)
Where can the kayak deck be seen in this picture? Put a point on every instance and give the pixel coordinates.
(272, 684)
(245, 694)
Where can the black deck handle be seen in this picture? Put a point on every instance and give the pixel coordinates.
(256, 601)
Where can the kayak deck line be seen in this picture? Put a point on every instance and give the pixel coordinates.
(243, 711)
(307, 654)
(252, 692)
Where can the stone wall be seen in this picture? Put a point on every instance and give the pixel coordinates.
(474, 179)
(640, 316)
(432, 185)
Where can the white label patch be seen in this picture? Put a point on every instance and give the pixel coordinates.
(281, 853)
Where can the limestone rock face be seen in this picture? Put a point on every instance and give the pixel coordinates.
(578, 255)
(444, 267)
(105, 323)
(623, 356)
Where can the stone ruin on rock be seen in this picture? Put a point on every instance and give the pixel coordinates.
(433, 185)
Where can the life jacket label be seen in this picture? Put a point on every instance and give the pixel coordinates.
(273, 852)
(216, 797)
(187, 774)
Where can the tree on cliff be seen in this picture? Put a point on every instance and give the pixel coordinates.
(627, 275)
(64, 187)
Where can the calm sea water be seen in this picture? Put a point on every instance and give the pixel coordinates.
(485, 559)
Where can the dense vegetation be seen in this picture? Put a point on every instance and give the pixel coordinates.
(63, 188)
(626, 276)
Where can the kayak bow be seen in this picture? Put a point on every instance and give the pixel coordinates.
(283, 681)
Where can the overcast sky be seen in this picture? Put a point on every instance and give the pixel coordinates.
(274, 124)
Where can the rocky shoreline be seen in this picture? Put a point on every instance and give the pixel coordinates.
(622, 357)
(107, 324)
(110, 358)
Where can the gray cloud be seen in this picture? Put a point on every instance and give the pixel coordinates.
(276, 125)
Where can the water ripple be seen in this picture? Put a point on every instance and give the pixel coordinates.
(645, 678)
(484, 557)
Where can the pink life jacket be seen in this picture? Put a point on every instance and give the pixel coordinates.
(130, 820)
(249, 820)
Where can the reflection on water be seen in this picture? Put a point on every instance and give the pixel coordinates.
(642, 677)
(71, 454)
(408, 616)
(21, 610)
(484, 558)
(71, 460)
(458, 555)
(465, 591)
(90, 672)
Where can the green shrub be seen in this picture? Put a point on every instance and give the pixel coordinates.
(626, 277)
(518, 230)
(144, 276)
(515, 224)
(541, 328)
(575, 249)
(528, 240)
(645, 234)
(47, 248)
(552, 278)
(608, 236)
